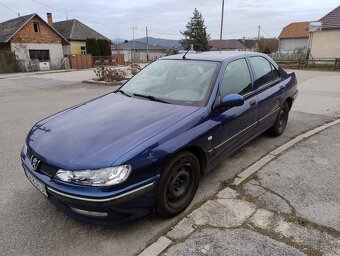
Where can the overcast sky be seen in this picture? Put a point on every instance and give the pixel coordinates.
(165, 19)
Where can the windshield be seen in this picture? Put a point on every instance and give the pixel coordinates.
(175, 81)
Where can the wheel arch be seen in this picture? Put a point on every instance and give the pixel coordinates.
(198, 152)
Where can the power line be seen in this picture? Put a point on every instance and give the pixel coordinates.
(10, 9)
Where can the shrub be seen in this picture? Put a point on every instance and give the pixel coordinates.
(109, 75)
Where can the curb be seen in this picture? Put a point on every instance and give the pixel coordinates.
(163, 242)
(23, 74)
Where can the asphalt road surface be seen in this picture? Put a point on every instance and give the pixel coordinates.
(30, 225)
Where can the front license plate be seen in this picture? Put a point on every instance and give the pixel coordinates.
(40, 186)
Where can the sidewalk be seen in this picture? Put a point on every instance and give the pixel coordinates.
(288, 203)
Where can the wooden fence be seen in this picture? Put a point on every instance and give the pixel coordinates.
(8, 62)
(80, 61)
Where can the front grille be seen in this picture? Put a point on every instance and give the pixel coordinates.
(43, 167)
(47, 169)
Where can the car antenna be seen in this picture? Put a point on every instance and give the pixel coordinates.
(185, 54)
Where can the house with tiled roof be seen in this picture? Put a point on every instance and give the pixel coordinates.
(325, 43)
(34, 42)
(294, 37)
(76, 33)
(135, 51)
(227, 45)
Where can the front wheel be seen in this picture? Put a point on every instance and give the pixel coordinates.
(281, 121)
(178, 184)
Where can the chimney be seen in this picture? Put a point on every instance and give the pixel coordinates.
(49, 19)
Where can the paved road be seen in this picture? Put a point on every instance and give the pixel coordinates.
(30, 225)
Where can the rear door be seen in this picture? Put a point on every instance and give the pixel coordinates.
(269, 89)
(233, 126)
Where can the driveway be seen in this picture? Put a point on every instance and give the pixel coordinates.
(30, 225)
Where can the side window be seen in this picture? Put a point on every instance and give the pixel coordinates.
(236, 79)
(262, 69)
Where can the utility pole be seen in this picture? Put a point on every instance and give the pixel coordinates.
(221, 26)
(258, 38)
(147, 44)
(134, 44)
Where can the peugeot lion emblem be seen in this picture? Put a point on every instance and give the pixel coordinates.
(35, 162)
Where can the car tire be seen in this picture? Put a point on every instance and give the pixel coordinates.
(178, 184)
(281, 121)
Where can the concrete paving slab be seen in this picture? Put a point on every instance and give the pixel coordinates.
(227, 193)
(310, 239)
(308, 177)
(267, 199)
(223, 213)
(212, 241)
(184, 228)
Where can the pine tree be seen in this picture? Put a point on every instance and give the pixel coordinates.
(196, 33)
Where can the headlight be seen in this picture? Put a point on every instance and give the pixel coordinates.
(24, 150)
(100, 177)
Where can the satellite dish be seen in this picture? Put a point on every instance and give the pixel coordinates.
(315, 26)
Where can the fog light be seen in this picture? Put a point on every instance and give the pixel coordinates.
(89, 213)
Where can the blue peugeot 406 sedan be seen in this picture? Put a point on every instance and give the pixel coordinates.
(143, 148)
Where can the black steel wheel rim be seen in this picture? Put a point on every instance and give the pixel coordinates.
(179, 185)
(282, 118)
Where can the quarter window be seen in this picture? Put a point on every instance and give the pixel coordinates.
(262, 69)
(276, 73)
(236, 79)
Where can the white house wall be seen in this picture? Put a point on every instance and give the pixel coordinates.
(22, 54)
(289, 45)
(326, 44)
(140, 55)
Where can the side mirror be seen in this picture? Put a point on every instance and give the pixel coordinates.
(232, 100)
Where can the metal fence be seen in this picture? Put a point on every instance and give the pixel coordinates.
(8, 62)
(288, 56)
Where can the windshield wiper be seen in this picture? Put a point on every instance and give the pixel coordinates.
(122, 92)
(150, 97)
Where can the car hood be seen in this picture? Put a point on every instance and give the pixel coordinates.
(97, 133)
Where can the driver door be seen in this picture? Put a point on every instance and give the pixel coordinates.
(234, 126)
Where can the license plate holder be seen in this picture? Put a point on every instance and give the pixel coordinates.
(36, 183)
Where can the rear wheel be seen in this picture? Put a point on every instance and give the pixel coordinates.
(281, 121)
(178, 184)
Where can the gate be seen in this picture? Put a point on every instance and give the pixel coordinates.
(8, 62)
(80, 61)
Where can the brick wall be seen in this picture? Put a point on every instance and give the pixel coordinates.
(45, 36)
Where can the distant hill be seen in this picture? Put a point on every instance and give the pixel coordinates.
(169, 43)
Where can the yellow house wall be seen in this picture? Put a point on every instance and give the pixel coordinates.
(75, 47)
(326, 44)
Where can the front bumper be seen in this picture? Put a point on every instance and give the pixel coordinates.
(113, 207)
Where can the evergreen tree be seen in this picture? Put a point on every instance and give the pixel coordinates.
(92, 46)
(196, 34)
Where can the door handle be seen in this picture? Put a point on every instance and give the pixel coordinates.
(252, 103)
(282, 88)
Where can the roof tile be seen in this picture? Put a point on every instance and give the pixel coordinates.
(295, 30)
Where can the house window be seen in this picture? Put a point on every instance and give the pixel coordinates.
(83, 50)
(41, 55)
(36, 27)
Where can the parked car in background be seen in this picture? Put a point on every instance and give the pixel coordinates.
(143, 148)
